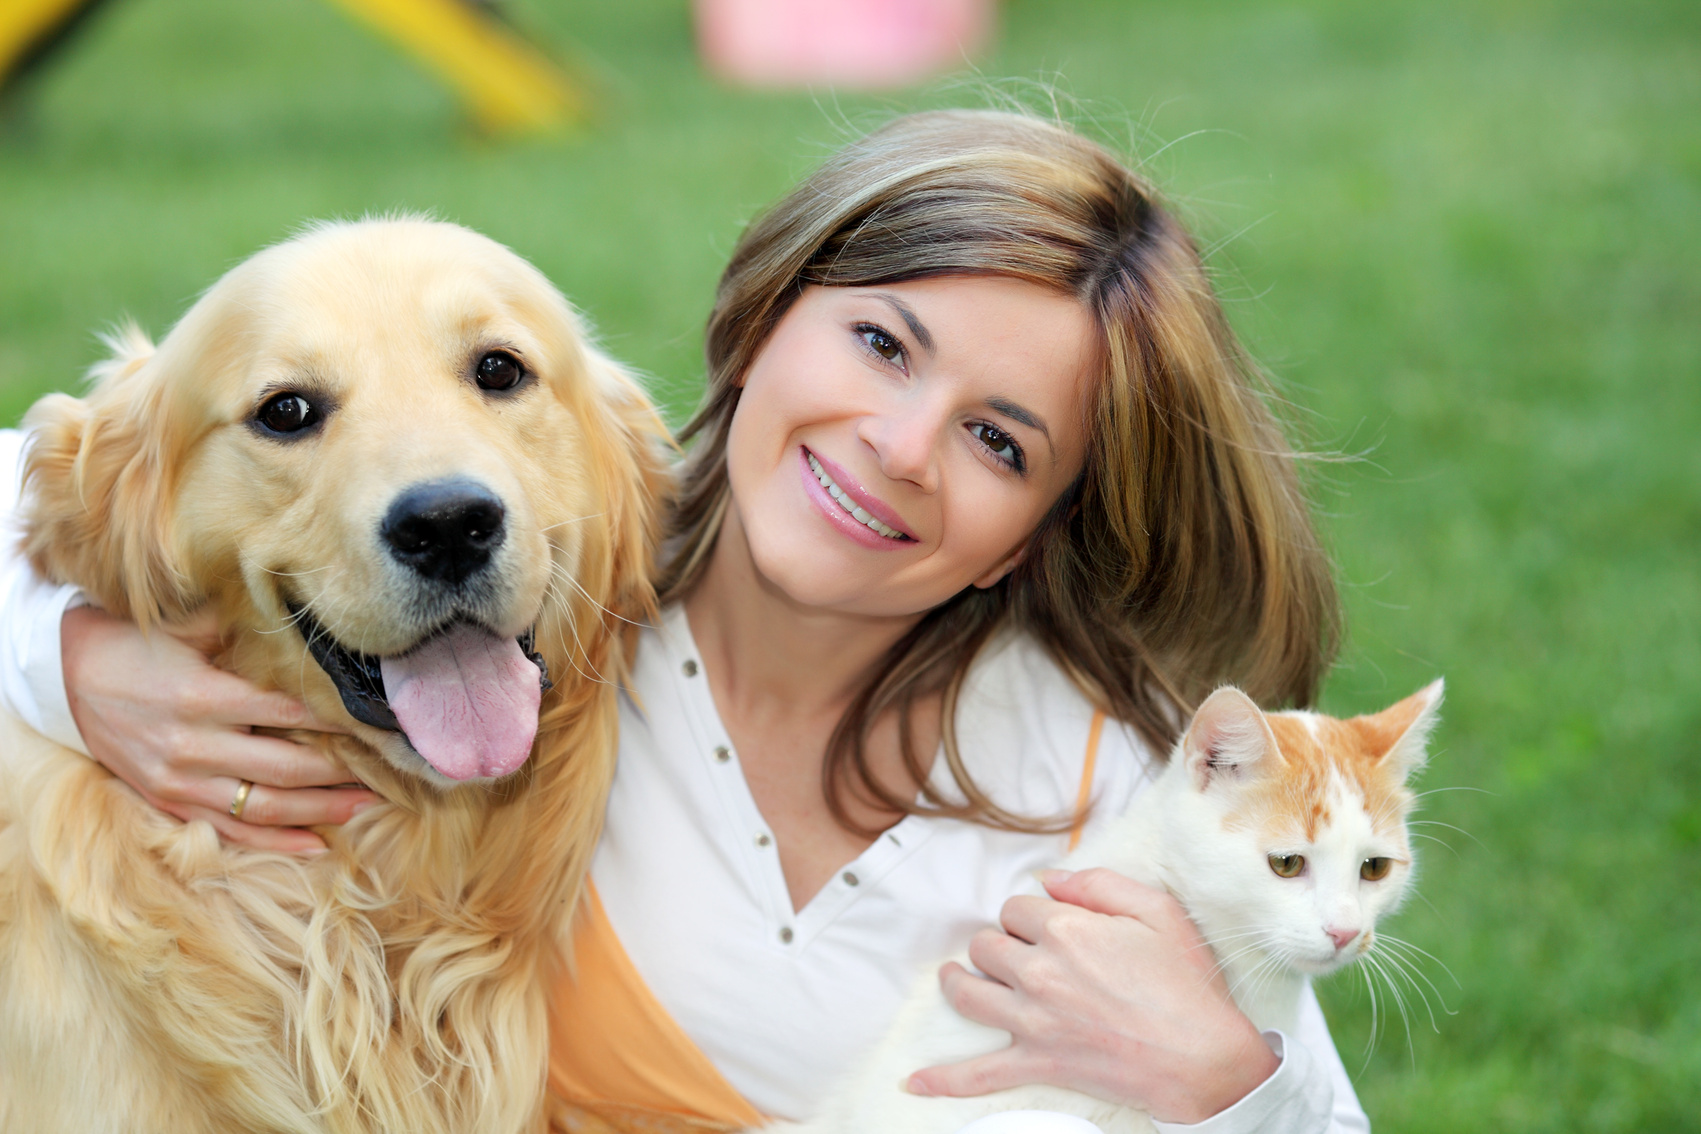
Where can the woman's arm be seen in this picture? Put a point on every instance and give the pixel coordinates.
(1108, 989)
(153, 709)
(157, 714)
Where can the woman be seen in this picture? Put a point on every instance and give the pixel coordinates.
(979, 465)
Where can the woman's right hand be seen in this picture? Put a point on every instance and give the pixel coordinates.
(156, 712)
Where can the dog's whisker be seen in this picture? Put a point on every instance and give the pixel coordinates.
(573, 628)
(573, 520)
(298, 574)
(568, 575)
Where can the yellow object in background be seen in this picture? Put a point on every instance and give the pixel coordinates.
(506, 83)
(26, 23)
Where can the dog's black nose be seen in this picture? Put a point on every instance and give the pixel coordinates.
(445, 529)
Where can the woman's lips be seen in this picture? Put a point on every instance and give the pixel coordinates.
(858, 497)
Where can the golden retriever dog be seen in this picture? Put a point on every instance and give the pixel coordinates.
(385, 457)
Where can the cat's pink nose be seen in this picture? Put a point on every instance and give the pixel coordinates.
(1341, 937)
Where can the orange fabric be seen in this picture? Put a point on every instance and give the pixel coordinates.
(618, 1063)
(1085, 794)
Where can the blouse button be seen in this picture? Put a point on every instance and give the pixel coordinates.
(850, 879)
(689, 668)
(785, 935)
(722, 754)
(762, 841)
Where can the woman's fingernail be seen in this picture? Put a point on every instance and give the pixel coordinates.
(1054, 877)
(915, 1086)
(361, 806)
(314, 852)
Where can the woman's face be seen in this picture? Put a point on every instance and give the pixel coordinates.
(895, 444)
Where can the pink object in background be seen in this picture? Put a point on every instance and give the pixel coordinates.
(863, 44)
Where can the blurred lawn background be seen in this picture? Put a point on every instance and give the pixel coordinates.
(1466, 236)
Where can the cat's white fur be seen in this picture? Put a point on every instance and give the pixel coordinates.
(1187, 833)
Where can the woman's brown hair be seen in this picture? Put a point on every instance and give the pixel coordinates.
(1182, 558)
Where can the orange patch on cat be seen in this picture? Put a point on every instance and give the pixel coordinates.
(1293, 792)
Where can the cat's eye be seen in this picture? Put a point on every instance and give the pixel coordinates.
(1287, 865)
(1375, 869)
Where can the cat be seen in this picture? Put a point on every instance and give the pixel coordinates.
(1283, 834)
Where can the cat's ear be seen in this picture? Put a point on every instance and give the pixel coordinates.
(1227, 739)
(1401, 731)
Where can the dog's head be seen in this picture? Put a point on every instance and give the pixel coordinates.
(387, 456)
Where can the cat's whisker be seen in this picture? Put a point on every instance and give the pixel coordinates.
(1438, 841)
(1261, 941)
(1402, 943)
(1375, 1015)
(1224, 960)
(1398, 997)
(1252, 981)
(1220, 939)
(1404, 967)
(1424, 898)
(1414, 972)
(1399, 1001)
(1439, 790)
(1402, 970)
(1449, 826)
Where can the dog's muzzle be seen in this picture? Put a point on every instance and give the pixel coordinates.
(441, 739)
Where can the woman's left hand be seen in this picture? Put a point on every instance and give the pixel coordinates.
(1107, 989)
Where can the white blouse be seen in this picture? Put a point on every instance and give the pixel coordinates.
(782, 1001)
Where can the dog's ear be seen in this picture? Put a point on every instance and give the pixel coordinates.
(636, 471)
(98, 487)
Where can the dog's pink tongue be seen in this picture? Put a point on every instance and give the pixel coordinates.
(468, 701)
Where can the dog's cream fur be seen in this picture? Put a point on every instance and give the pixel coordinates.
(152, 979)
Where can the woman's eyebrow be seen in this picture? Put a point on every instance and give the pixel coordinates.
(1018, 414)
(909, 317)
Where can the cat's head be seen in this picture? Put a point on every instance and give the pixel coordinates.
(1306, 818)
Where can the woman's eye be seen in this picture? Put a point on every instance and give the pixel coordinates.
(1000, 444)
(499, 370)
(1287, 865)
(287, 413)
(881, 342)
(1375, 869)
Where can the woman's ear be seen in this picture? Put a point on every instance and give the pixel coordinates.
(98, 484)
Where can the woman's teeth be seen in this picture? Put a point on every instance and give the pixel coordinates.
(842, 498)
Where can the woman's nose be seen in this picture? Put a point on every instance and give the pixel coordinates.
(906, 442)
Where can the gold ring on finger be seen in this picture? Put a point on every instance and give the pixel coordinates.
(243, 787)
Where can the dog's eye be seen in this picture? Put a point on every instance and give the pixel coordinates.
(499, 370)
(287, 413)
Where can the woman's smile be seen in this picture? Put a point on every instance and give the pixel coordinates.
(839, 497)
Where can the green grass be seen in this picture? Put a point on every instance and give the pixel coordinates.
(1466, 236)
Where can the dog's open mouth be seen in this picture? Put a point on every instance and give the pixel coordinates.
(465, 699)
